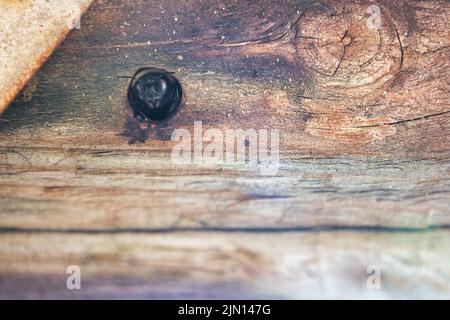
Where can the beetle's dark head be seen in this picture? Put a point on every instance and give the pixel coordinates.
(154, 94)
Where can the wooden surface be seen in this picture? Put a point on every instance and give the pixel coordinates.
(29, 32)
(364, 177)
(206, 265)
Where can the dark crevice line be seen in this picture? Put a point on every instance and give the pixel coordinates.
(404, 121)
(402, 53)
(297, 229)
(344, 51)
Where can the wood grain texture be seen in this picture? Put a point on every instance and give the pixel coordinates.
(391, 103)
(29, 31)
(139, 189)
(226, 265)
(67, 147)
(365, 143)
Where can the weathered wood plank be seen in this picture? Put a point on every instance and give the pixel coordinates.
(226, 265)
(251, 65)
(139, 189)
(29, 32)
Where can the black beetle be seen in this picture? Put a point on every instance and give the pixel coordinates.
(154, 94)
